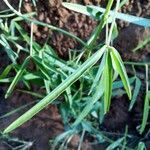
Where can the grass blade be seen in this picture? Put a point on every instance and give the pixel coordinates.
(119, 67)
(11, 54)
(115, 144)
(145, 112)
(17, 77)
(135, 92)
(98, 75)
(129, 18)
(107, 83)
(141, 146)
(85, 10)
(6, 71)
(38, 62)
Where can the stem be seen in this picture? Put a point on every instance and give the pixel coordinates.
(113, 23)
(137, 63)
(31, 39)
(102, 23)
(146, 73)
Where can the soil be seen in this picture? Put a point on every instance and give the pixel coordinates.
(47, 124)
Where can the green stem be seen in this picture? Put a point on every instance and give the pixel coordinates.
(146, 73)
(31, 40)
(113, 23)
(102, 23)
(137, 63)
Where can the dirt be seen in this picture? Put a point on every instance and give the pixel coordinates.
(53, 13)
(128, 39)
(47, 124)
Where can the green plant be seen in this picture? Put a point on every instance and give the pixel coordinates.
(96, 75)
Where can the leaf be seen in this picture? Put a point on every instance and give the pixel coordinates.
(115, 32)
(129, 18)
(141, 146)
(99, 73)
(11, 54)
(76, 7)
(119, 84)
(145, 112)
(135, 92)
(38, 62)
(143, 43)
(119, 67)
(32, 93)
(61, 137)
(108, 76)
(17, 77)
(57, 91)
(115, 144)
(16, 110)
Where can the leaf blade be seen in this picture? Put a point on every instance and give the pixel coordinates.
(120, 68)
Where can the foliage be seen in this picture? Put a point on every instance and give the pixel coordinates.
(97, 73)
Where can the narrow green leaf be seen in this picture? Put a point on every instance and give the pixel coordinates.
(76, 7)
(11, 54)
(135, 92)
(17, 77)
(145, 112)
(115, 32)
(61, 137)
(32, 93)
(108, 76)
(115, 144)
(99, 73)
(119, 84)
(39, 63)
(143, 43)
(120, 68)
(141, 146)
(6, 71)
(57, 91)
(16, 110)
(129, 18)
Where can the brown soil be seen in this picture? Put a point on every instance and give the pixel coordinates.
(45, 126)
(47, 123)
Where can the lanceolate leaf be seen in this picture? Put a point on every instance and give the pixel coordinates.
(76, 7)
(135, 92)
(99, 73)
(6, 71)
(146, 111)
(119, 67)
(57, 91)
(17, 77)
(38, 62)
(107, 82)
(129, 18)
(11, 54)
(115, 144)
(141, 146)
(97, 10)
